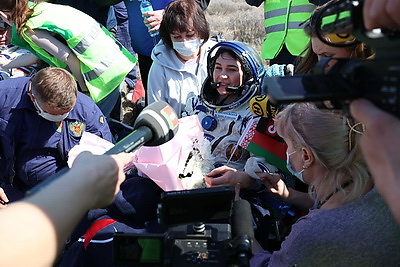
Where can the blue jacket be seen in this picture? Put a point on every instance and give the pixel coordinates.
(142, 42)
(32, 148)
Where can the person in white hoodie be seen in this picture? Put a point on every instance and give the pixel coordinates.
(180, 58)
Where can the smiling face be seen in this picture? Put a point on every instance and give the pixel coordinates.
(227, 72)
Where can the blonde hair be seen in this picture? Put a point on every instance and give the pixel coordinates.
(326, 134)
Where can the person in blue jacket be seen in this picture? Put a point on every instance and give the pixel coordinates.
(41, 119)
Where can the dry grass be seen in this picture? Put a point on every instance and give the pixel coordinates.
(236, 20)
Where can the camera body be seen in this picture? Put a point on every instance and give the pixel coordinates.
(376, 79)
(179, 246)
(199, 232)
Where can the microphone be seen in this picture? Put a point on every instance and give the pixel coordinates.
(214, 85)
(242, 231)
(232, 89)
(155, 125)
(261, 105)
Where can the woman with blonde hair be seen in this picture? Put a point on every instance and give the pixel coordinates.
(349, 223)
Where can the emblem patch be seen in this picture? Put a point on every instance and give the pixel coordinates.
(233, 152)
(76, 128)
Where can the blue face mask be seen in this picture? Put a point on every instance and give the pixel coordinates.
(299, 174)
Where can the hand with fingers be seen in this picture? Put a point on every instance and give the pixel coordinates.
(153, 19)
(274, 184)
(225, 175)
(3, 199)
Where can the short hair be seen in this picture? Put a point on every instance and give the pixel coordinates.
(327, 134)
(56, 87)
(180, 15)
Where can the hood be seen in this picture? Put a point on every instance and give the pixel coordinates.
(166, 57)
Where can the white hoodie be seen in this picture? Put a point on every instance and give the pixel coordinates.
(171, 80)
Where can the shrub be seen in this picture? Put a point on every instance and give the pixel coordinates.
(236, 20)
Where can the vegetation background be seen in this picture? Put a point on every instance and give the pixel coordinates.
(236, 20)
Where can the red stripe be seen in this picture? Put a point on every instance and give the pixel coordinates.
(269, 157)
(275, 147)
(94, 228)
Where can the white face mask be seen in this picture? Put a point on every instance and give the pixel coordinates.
(47, 116)
(299, 174)
(187, 48)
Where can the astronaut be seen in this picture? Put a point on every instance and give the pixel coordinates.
(235, 72)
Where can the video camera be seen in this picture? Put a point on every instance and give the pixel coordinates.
(206, 227)
(376, 79)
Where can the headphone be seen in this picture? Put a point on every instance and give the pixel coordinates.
(253, 73)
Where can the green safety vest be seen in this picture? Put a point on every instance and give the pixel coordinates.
(284, 22)
(104, 62)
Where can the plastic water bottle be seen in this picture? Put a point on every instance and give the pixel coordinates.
(145, 6)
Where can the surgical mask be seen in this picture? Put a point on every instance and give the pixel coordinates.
(187, 48)
(299, 174)
(47, 116)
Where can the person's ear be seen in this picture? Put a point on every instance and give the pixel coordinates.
(307, 157)
(31, 96)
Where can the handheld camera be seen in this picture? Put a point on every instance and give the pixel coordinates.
(376, 79)
(201, 232)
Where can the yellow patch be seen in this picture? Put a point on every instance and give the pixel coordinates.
(59, 125)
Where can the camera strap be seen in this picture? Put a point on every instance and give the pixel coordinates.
(94, 229)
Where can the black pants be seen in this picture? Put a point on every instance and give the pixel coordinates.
(284, 57)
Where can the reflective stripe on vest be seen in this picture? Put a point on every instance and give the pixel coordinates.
(83, 45)
(104, 63)
(293, 9)
(281, 27)
(284, 24)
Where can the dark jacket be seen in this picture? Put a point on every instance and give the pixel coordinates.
(32, 148)
(133, 211)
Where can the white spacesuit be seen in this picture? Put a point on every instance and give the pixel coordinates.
(224, 124)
